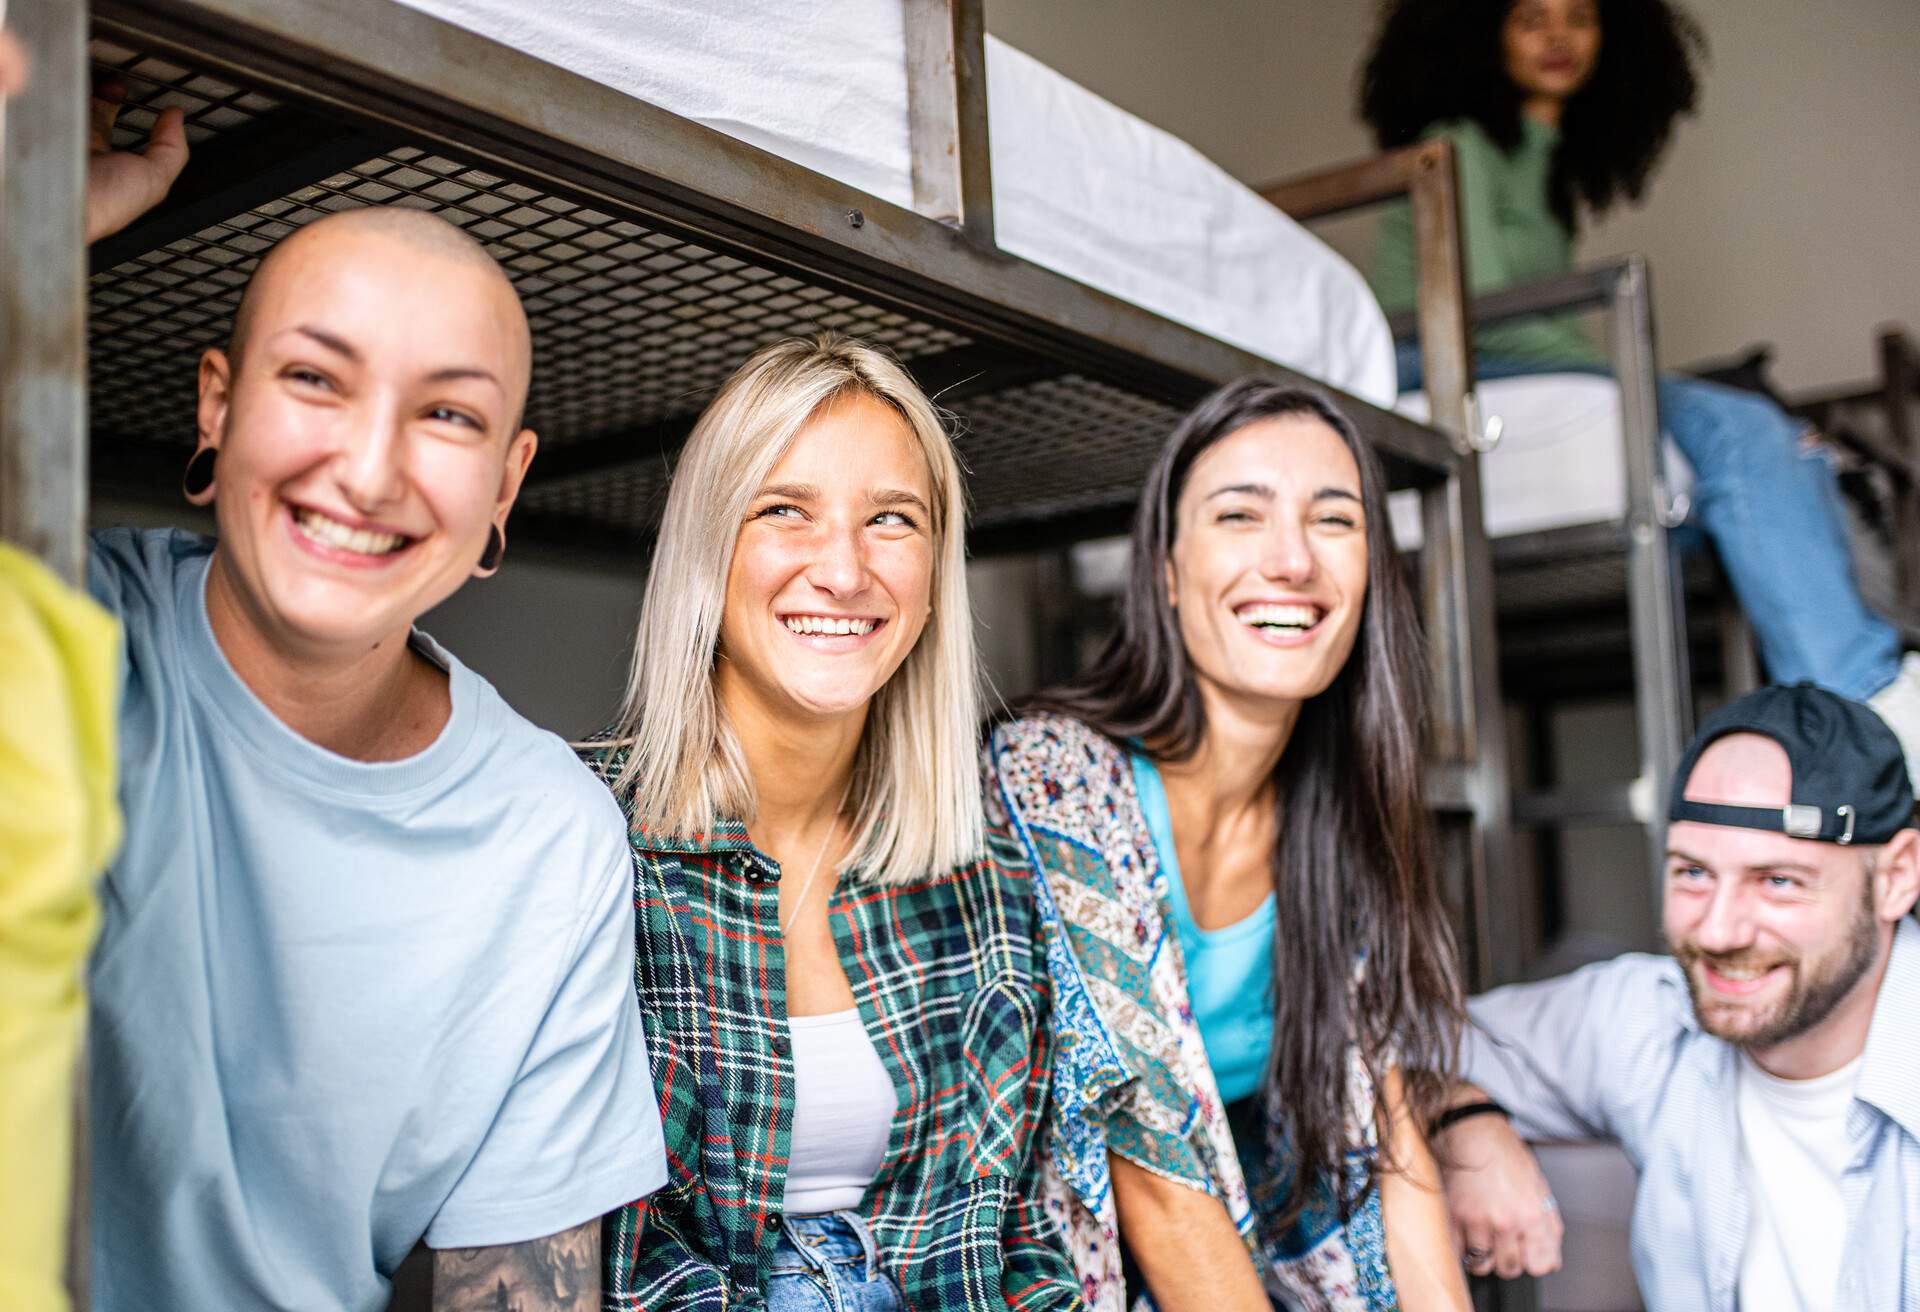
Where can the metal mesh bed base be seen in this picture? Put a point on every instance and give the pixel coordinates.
(635, 325)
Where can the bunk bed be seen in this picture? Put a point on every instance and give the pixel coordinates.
(653, 252)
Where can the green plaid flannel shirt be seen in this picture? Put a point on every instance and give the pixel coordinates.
(950, 978)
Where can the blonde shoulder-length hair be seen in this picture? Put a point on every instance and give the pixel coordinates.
(915, 792)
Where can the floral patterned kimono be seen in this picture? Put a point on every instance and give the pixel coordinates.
(1130, 1071)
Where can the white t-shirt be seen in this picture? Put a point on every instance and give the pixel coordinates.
(1794, 1148)
(843, 1106)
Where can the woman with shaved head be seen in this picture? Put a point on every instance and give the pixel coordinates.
(364, 975)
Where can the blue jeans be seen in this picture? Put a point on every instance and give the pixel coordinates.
(1773, 511)
(827, 1263)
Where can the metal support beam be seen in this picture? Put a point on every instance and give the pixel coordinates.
(1663, 686)
(1584, 289)
(947, 115)
(43, 351)
(1343, 188)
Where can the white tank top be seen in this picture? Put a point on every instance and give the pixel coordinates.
(843, 1106)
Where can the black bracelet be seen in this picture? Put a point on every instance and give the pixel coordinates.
(1454, 1115)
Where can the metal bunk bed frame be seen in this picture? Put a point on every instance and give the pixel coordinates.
(348, 81)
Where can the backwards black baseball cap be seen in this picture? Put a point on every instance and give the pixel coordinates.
(1850, 781)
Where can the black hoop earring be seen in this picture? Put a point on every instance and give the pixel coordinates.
(496, 548)
(199, 475)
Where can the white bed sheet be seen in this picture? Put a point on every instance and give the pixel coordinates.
(1080, 186)
(1560, 461)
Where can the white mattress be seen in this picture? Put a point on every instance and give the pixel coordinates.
(1560, 461)
(1080, 186)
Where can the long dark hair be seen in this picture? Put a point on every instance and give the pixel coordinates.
(1352, 870)
(1436, 60)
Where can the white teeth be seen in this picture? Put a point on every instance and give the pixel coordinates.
(828, 625)
(335, 534)
(1262, 614)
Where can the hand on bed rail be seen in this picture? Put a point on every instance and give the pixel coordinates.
(122, 184)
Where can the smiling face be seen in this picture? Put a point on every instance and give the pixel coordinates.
(1550, 47)
(832, 572)
(1775, 933)
(366, 433)
(1268, 570)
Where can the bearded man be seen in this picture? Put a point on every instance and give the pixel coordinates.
(1765, 1078)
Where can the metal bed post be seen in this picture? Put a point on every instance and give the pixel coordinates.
(1663, 703)
(43, 377)
(43, 365)
(1457, 579)
(947, 115)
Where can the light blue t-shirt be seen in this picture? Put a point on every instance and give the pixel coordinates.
(340, 1006)
(1229, 970)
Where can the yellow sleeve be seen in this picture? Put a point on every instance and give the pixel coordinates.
(59, 823)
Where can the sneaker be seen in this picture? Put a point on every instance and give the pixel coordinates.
(1899, 705)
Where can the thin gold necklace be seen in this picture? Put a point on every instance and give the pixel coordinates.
(806, 886)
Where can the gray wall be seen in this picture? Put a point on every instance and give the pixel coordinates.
(1788, 211)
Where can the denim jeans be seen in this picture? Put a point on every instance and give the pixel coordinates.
(827, 1263)
(1773, 511)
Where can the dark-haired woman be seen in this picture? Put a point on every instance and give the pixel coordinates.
(1247, 945)
(1559, 106)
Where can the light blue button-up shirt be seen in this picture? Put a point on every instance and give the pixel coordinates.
(1614, 1052)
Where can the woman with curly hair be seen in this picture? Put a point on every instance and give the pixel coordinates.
(1255, 984)
(1557, 108)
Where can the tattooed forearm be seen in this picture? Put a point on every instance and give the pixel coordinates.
(542, 1275)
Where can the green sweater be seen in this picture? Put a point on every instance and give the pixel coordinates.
(1511, 234)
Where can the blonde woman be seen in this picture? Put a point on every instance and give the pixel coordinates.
(837, 962)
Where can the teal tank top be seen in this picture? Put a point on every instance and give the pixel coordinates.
(1229, 970)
